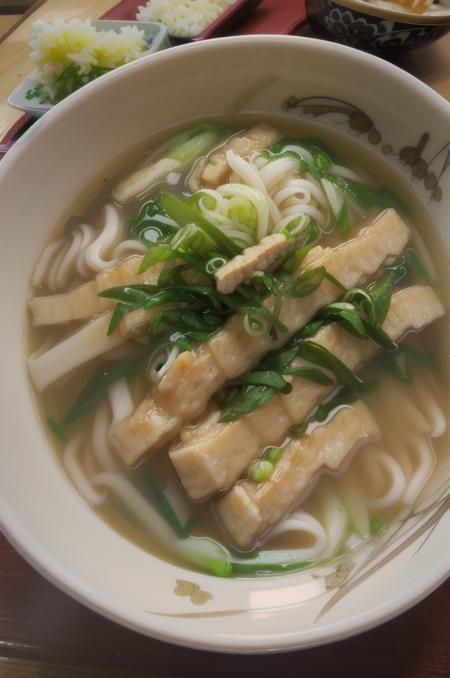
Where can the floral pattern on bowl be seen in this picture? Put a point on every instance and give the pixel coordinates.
(364, 30)
(430, 171)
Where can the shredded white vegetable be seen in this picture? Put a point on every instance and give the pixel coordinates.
(60, 44)
(183, 18)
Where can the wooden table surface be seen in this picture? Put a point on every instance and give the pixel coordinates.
(45, 634)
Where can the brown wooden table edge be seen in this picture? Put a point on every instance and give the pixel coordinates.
(23, 18)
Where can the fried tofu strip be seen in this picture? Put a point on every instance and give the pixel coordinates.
(196, 375)
(250, 509)
(256, 258)
(216, 170)
(83, 302)
(215, 457)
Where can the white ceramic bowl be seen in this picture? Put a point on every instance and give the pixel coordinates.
(40, 512)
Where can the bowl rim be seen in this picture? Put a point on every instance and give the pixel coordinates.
(61, 575)
(164, 631)
(364, 7)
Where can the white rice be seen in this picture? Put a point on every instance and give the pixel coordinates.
(183, 18)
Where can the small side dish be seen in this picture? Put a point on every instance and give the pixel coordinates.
(185, 18)
(69, 54)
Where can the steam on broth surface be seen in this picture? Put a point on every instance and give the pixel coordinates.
(240, 349)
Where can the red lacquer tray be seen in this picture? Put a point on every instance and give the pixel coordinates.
(244, 17)
(228, 19)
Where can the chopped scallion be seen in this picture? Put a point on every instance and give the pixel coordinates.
(56, 429)
(273, 454)
(99, 383)
(298, 431)
(375, 524)
(260, 470)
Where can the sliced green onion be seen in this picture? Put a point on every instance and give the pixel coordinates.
(362, 297)
(381, 294)
(184, 215)
(273, 454)
(205, 199)
(375, 524)
(193, 240)
(152, 224)
(214, 264)
(56, 429)
(338, 205)
(279, 361)
(304, 284)
(310, 330)
(298, 431)
(377, 334)
(266, 378)
(193, 143)
(343, 220)
(151, 489)
(419, 357)
(345, 396)
(413, 261)
(157, 254)
(399, 271)
(311, 374)
(320, 356)
(388, 363)
(268, 562)
(310, 236)
(247, 400)
(99, 383)
(334, 280)
(347, 314)
(254, 325)
(201, 551)
(260, 470)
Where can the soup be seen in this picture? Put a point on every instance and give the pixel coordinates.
(239, 350)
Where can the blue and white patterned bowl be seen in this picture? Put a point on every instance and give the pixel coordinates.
(375, 29)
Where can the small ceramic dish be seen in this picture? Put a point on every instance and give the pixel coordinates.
(227, 19)
(155, 35)
(382, 30)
